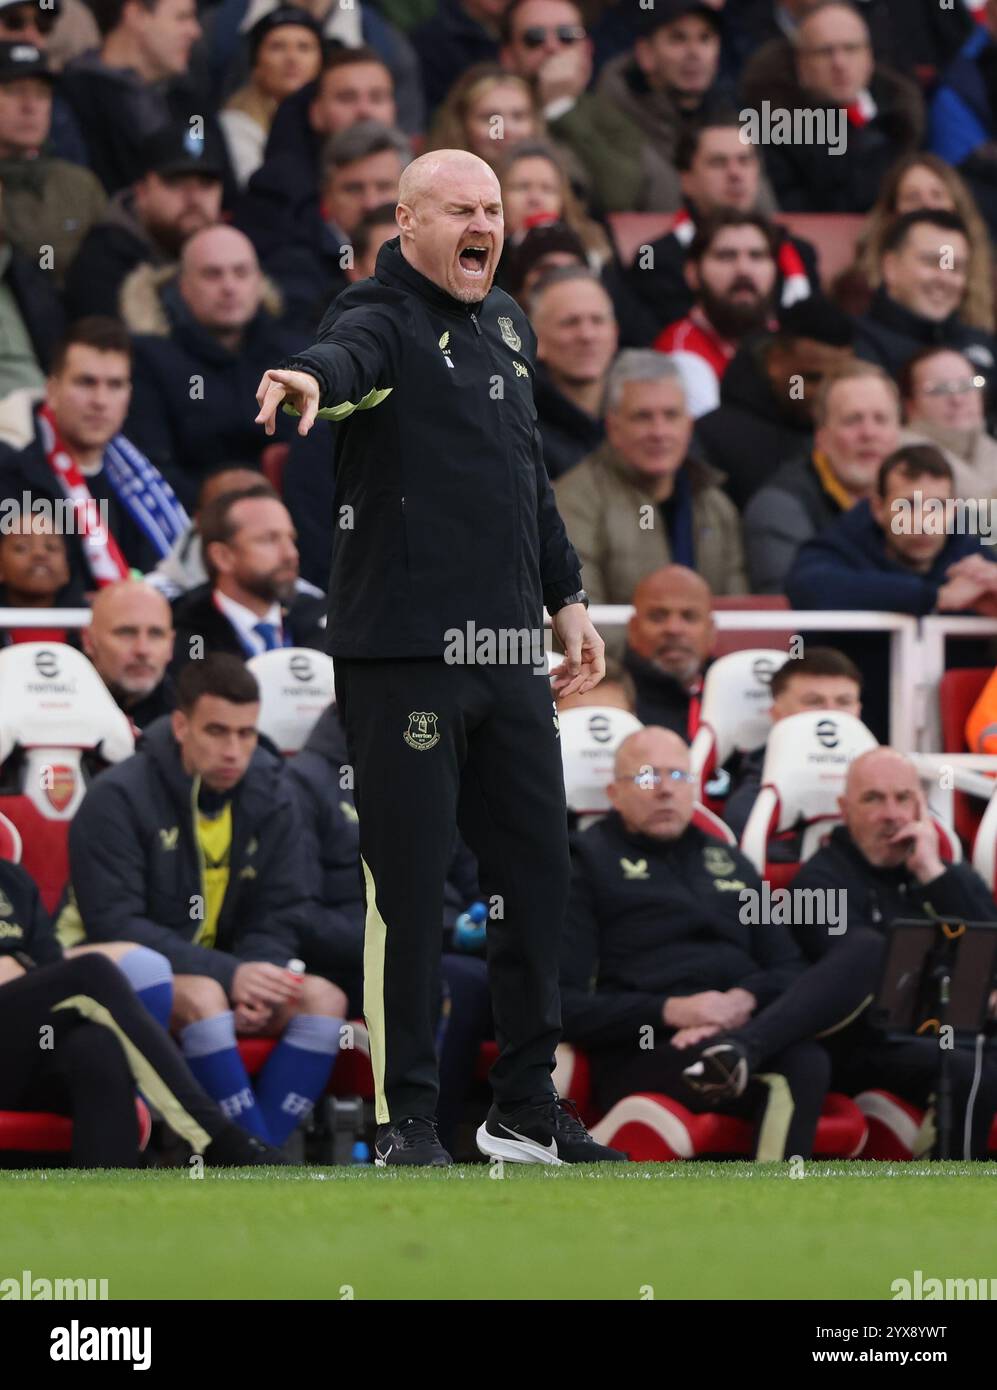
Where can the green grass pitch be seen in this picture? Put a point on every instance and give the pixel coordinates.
(672, 1230)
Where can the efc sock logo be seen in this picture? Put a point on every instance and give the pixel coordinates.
(444, 348)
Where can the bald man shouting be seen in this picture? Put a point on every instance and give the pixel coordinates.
(447, 546)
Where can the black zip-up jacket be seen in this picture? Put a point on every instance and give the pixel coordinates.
(877, 897)
(25, 927)
(650, 919)
(451, 518)
(135, 862)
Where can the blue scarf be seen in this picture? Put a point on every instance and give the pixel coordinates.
(145, 495)
(678, 517)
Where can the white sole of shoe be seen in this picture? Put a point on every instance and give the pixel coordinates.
(516, 1150)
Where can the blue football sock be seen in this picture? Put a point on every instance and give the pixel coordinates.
(296, 1072)
(151, 977)
(211, 1053)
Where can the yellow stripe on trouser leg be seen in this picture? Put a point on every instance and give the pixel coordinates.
(776, 1120)
(148, 1080)
(375, 933)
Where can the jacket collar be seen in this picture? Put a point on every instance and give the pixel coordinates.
(893, 315)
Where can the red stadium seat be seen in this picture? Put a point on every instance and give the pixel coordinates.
(30, 1131)
(53, 708)
(958, 692)
(894, 1125)
(351, 1075)
(653, 1128)
(273, 461)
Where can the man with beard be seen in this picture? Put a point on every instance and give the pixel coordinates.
(669, 639)
(731, 269)
(179, 192)
(130, 641)
(250, 603)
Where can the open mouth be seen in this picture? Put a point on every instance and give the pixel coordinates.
(473, 260)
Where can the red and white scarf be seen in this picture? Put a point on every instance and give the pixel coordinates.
(978, 9)
(795, 281)
(104, 558)
(862, 110)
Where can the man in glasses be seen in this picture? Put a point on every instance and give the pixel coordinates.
(658, 956)
(862, 117)
(546, 42)
(944, 401)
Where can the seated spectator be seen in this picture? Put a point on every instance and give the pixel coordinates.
(874, 115)
(130, 642)
(963, 115)
(672, 74)
(285, 53)
(731, 270)
(332, 943)
(943, 396)
(135, 84)
(536, 192)
(768, 395)
(925, 274)
(280, 211)
(616, 690)
(461, 34)
(178, 193)
(882, 864)
(308, 481)
(202, 337)
(822, 678)
(31, 317)
(719, 173)
(642, 500)
(361, 167)
(251, 602)
(99, 1058)
(658, 953)
(125, 514)
(573, 317)
(670, 636)
(220, 893)
(534, 253)
(891, 553)
(857, 417)
(63, 31)
(183, 568)
(545, 42)
(47, 202)
(488, 111)
(356, 28)
(34, 573)
(921, 183)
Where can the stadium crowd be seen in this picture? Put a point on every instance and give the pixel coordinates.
(751, 352)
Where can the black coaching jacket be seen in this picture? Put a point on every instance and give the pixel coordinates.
(135, 863)
(649, 919)
(444, 513)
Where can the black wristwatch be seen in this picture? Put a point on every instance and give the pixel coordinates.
(580, 597)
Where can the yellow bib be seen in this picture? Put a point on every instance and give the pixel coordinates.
(215, 838)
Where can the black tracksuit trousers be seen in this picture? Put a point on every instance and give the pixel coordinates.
(103, 1045)
(436, 747)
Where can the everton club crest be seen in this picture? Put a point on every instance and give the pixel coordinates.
(422, 732)
(509, 335)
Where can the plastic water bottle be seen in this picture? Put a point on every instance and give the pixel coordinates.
(361, 1152)
(469, 928)
(296, 969)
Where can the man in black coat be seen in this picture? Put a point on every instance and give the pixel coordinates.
(669, 639)
(192, 846)
(447, 546)
(191, 378)
(251, 603)
(924, 267)
(883, 864)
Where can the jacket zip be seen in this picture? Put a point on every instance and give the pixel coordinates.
(195, 792)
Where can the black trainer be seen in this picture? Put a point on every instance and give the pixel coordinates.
(545, 1131)
(236, 1148)
(412, 1142)
(720, 1072)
